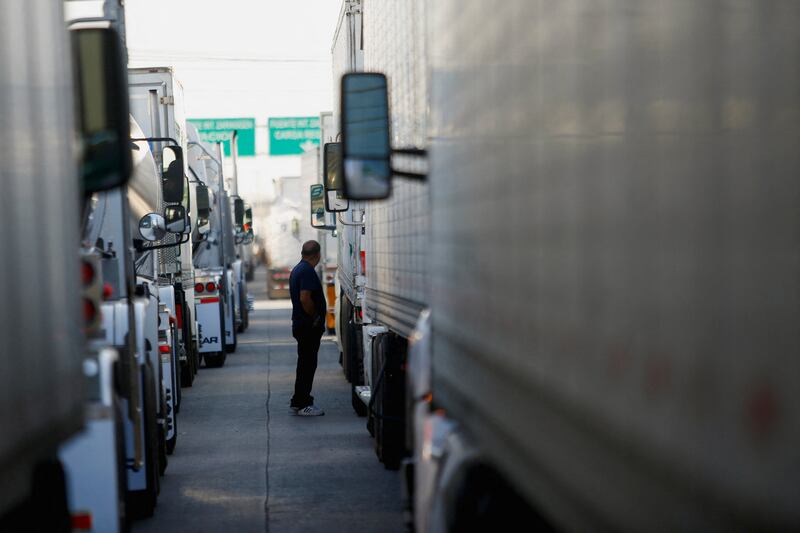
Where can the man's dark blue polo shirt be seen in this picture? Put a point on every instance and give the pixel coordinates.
(304, 278)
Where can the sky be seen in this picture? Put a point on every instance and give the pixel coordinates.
(241, 58)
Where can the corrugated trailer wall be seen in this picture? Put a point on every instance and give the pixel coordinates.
(398, 229)
(616, 264)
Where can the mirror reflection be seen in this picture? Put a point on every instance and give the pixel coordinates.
(332, 163)
(318, 212)
(152, 227)
(366, 149)
(102, 96)
(172, 176)
(175, 218)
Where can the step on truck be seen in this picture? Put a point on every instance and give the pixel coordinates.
(610, 341)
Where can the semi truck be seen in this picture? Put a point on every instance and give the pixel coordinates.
(119, 228)
(347, 55)
(157, 104)
(287, 229)
(383, 245)
(63, 384)
(609, 336)
(214, 257)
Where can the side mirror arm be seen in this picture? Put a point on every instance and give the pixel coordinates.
(141, 247)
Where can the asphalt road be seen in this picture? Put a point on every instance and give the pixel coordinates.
(244, 464)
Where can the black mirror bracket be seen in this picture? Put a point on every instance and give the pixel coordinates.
(156, 140)
(413, 152)
(140, 246)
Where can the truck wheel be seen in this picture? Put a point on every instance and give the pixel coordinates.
(187, 375)
(174, 440)
(480, 499)
(122, 481)
(389, 405)
(162, 432)
(142, 503)
(46, 509)
(358, 405)
(215, 360)
(357, 375)
(351, 353)
(195, 358)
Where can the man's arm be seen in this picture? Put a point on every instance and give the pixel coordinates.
(307, 303)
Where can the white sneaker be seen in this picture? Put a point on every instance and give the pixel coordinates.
(311, 410)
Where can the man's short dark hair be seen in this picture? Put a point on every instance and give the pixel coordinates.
(310, 249)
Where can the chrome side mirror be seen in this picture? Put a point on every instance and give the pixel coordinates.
(366, 151)
(175, 218)
(152, 227)
(172, 179)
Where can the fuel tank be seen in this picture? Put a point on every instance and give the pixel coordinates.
(144, 187)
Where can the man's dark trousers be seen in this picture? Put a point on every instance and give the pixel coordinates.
(308, 339)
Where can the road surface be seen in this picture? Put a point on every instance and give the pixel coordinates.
(243, 464)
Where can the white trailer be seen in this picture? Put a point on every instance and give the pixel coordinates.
(348, 56)
(287, 228)
(41, 381)
(383, 264)
(60, 381)
(612, 337)
(215, 282)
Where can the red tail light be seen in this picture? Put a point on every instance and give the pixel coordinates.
(87, 272)
(211, 286)
(108, 290)
(82, 522)
(164, 348)
(179, 315)
(199, 287)
(363, 262)
(89, 310)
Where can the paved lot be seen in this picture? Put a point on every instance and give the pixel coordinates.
(243, 464)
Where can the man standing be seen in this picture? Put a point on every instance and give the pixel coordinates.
(308, 324)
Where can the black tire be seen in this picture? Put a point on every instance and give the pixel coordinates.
(358, 406)
(122, 458)
(230, 348)
(187, 373)
(174, 440)
(162, 430)
(142, 503)
(195, 357)
(47, 508)
(215, 360)
(351, 353)
(389, 402)
(243, 311)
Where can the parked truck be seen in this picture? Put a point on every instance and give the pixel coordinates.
(287, 229)
(348, 56)
(157, 103)
(55, 389)
(383, 246)
(612, 295)
(214, 258)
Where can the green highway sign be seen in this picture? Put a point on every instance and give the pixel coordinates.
(292, 135)
(221, 129)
